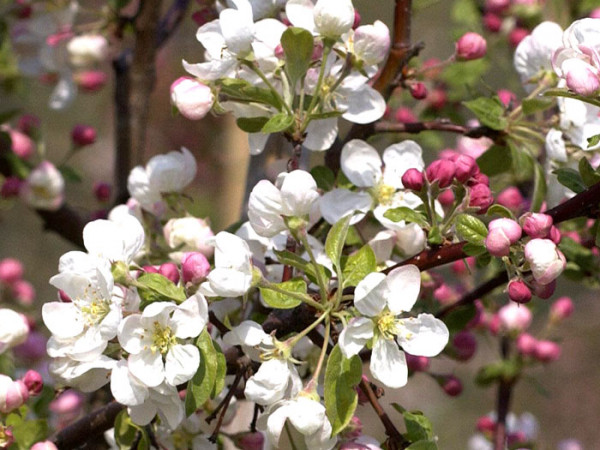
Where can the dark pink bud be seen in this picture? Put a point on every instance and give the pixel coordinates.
(561, 309)
(465, 345)
(250, 441)
(446, 197)
(481, 197)
(356, 23)
(29, 124)
(497, 6)
(102, 191)
(203, 16)
(547, 351)
(413, 179)
(194, 267)
(536, 225)
(462, 267)
(470, 46)
(543, 291)
(63, 297)
(451, 385)
(418, 90)
(91, 80)
(479, 178)
(405, 115)
(11, 270)
(466, 167)
(170, 271)
(526, 344)
(511, 198)
(21, 144)
(555, 235)
(10, 187)
(492, 22)
(518, 437)
(442, 171)
(445, 294)
(517, 35)
(506, 97)
(485, 424)
(150, 269)
(83, 135)
(279, 53)
(23, 291)
(449, 153)
(518, 291)
(417, 363)
(68, 402)
(34, 382)
(437, 98)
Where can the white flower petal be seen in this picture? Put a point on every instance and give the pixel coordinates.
(62, 319)
(363, 105)
(361, 163)
(181, 363)
(268, 384)
(388, 363)
(190, 318)
(339, 203)
(403, 287)
(321, 134)
(124, 388)
(398, 158)
(355, 335)
(147, 367)
(369, 295)
(423, 336)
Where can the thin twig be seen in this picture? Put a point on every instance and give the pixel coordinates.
(502, 401)
(475, 294)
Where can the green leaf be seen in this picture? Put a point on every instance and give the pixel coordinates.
(153, 287)
(457, 319)
(435, 236)
(243, 90)
(593, 141)
(336, 239)
(423, 445)
(564, 93)
(279, 122)
(292, 259)
(474, 249)
(325, 115)
(578, 254)
(341, 377)
(127, 432)
(118, 4)
(597, 235)
(570, 178)
(281, 301)
(17, 166)
(495, 160)
(489, 111)
(297, 44)
(358, 265)
(8, 115)
(499, 210)
(252, 124)
(532, 105)
(324, 177)
(588, 174)
(71, 174)
(406, 214)
(418, 427)
(221, 371)
(539, 187)
(201, 385)
(521, 161)
(500, 370)
(471, 229)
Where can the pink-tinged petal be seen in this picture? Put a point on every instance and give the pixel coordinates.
(124, 388)
(369, 295)
(355, 335)
(62, 319)
(423, 336)
(388, 363)
(190, 318)
(147, 367)
(361, 163)
(403, 286)
(181, 364)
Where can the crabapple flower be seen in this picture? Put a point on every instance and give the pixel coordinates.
(153, 340)
(547, 262)
(306, 415)
(333, 17)
(86, 376)
(111, 240)
(189, 234)
(502, 234)
(515, 317)
(534, 53)
(233, 272)
(380, 299)
(13, 329)
(13, 394)
(192, 98)
(87, 50)
(44, 187)
(163, 174)
(371, 43)
(293, 195)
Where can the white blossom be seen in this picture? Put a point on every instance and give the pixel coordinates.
(13, 329)
(44, 187)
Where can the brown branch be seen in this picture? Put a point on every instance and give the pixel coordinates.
(436, 125)
(434, 257)
(170, 22)
(502, 401)
(584, 204)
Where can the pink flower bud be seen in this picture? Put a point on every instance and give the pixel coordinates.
(547, 351)
(69, 402)
(192, 98)
(546, 261)
(582, 78)
(514, 317)
(573, 444)
(418, 90)
(442, 171)
(492, 22)
(465, 345)
(150, 269)
(413, 179)
(561, 309)
(517, 35)
(28, 124)
(595, 14)
(479, 178)
(509, 227)
(437, 98)
(462, 267)
(10, 187)
(470, 46)
(526, 344)
(356, 23)
(417, 363)
(446, 197)
(102, 191)
(405, 115)
(485, 424)
(83, 135)
(21, 144)
(555, 235)
(445, 294)
(543, 291)
(511, 198)
(497, 5)
(518, 291)
(481, 197)
(250, 441)
(203, 16)
(11, 270)
(194, 267)
(493, 323)
(91, 80)
(44, 445)
(536, 225)
(170, 271)
(23, 291)
(502, 234)
(506, 97)
(451, 385)
(34, 382)
(13, 394)
(466, 167)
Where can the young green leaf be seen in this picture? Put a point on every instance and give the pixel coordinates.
(251, 124)
(358, 265)
(297, 44)
(588, 174)
(324, 177)
(281, 301)
(489, 111)
(127, 432)
(418, 427)
(201, 385)
(279, 122)
(570, 178)
(539, 187)
(495, 160)
(153, 287)
(406, 214)
(336, 239)
(471, 229)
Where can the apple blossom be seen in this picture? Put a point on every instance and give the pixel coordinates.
(34, 382)
(189, 234)
(44, 187)
(21, 144)
(194, 267)
(192, 98)
(372, 42)
(534, 52)
(87, 50)
(536, 225)
(377, 301)
(515, 317)
(333, 17)
(502, 234)
(547, 262)
(13, 329)
(561, 309)
(13, 394)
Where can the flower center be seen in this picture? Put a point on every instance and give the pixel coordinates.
(385, 194)
(162, 339)
(93, 307)
(42, 192)
(387, 325)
